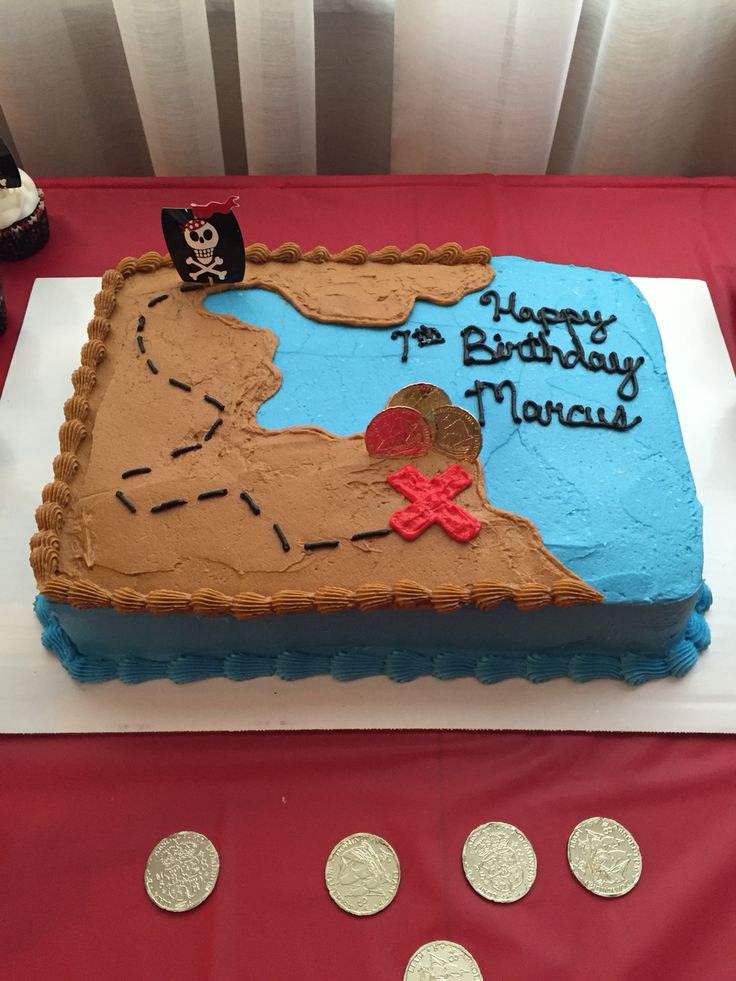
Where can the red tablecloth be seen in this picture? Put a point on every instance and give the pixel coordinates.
(78, 815)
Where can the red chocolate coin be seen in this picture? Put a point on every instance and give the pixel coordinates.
(398, 431)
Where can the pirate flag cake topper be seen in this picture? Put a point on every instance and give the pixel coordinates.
(9, 173)
(205, 242)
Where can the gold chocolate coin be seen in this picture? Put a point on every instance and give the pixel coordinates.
(362, 874)
(604, 857)
(181, 871)
(398, 431)
(455, 432)
(442, 959)
(421, 396)
(499, 862)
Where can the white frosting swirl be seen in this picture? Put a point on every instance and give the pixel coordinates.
(17, 203)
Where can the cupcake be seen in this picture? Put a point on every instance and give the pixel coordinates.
(24, 225)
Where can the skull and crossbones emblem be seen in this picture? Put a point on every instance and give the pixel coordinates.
(202, 238)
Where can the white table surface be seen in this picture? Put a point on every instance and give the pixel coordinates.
(37, 695)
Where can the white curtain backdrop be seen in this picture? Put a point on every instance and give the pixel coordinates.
(187, 87)
(481, 89)
(167, 48)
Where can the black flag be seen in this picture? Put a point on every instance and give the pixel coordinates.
(205, 242)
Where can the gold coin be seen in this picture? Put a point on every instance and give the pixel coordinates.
(362, 874)
(604, 857)
(181, 871)
(455, 432)
(421, 396)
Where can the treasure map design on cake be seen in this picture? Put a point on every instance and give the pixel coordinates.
(181, 511)
(403, 430)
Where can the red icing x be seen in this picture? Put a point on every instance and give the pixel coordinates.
(431, 503)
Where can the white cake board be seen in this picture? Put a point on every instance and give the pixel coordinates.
(37, 695)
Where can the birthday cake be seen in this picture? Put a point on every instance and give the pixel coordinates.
(397, 463)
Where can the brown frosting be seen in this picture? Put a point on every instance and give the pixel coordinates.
(376, 289)
(214, 556)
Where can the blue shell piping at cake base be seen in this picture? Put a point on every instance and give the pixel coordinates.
(399, 666)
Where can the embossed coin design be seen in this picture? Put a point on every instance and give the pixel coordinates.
(362, 874)
(181, 871)
(420, 396)
(499, 862)
(442, 960)
(604, 857)
(455, 432)
(398, 431)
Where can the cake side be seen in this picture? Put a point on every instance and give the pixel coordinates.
(583, 643)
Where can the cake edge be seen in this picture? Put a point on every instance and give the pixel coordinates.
(634, 668)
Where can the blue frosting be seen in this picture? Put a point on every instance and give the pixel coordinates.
(619, 509)
(399, 665)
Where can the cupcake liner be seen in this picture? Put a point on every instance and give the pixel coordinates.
(26, 236)
(3, 311)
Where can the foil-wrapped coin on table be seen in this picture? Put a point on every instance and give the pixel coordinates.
(499, 862)
(362, 874)
(604, 857)
(181, 871)
(442, 959)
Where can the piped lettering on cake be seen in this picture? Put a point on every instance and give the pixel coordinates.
(404, 335)
(536, 348)
(576, 416)
(547, 316)
(426, 336)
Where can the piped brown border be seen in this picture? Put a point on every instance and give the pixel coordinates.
(449, 254)
(56, 496)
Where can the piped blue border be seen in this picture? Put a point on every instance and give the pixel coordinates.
(399, 666)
